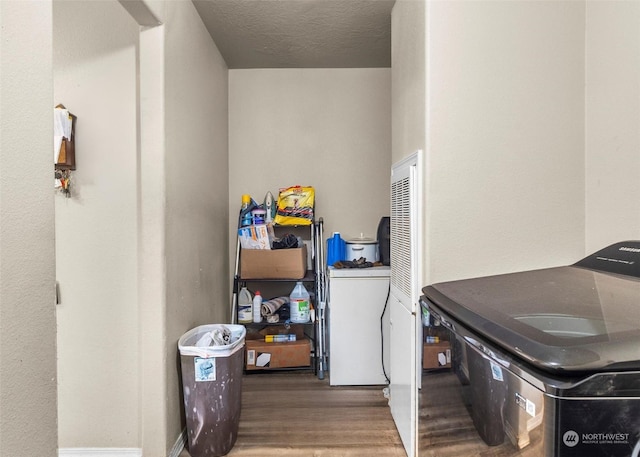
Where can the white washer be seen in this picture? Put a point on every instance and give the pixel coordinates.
(357, 298)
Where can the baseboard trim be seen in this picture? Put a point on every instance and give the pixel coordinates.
(180, 444)
(99, 452)
(177, 448)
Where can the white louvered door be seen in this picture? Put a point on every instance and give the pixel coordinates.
(406, 214)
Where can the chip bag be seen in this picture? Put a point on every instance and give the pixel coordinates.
(295, 206)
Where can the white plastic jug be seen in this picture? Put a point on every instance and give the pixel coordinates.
(245, 302)
(299, 304)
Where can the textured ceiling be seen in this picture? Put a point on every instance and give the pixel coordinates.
(300, 33)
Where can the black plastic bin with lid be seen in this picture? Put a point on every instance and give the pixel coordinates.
(212, 387)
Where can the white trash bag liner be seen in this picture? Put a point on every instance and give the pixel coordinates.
(206, 340)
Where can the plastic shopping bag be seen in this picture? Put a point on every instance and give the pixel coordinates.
(295, 206)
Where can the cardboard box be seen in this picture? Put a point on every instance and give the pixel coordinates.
(265, 356)
(436, 355)
(273, 264)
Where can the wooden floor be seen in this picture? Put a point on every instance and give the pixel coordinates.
(296, 414)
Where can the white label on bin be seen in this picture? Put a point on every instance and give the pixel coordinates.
(496, 371)
(205, 369)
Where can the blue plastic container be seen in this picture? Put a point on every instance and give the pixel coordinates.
(335, 249)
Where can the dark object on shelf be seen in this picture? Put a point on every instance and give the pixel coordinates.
(360, 263)
(384, 240)
(288, 241)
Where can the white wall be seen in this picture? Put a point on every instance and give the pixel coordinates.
(151, 240)
(197, 179)
(409, 70)
(27, 269)
(95, 45)
(505, 123)
(141, 241)
(409, 110)
(328, 128)
(613, 123)
(532, 124)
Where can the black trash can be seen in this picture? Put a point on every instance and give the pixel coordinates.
(212, 387)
